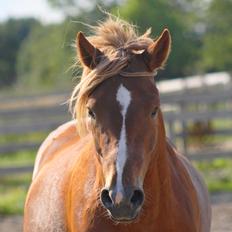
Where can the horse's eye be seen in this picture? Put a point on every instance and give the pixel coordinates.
(91, 114)
(154, 112)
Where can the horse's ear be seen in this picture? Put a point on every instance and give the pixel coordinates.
(88, 55)
(157, 53)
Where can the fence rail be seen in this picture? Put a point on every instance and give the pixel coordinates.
(41, 114)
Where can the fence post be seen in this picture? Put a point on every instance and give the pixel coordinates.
(171, 130)
(185, 137)
(184, 131)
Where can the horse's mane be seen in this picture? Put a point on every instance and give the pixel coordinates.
(118, 40)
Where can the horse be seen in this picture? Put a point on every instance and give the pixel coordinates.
(112, 168)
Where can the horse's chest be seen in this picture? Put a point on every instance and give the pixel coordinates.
(163, 222)
(46, 201)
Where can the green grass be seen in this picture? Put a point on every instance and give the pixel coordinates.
(13, 191)
(28, 137)
(13, 188)
(222, 123)
(217, 174)
(20, 157)
(17, 158)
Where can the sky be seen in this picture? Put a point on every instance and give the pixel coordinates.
(29, 8)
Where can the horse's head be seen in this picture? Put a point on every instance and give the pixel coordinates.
(123, 117)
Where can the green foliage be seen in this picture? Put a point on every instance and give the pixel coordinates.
(12, 33)
(173, 15)
(39, 56)
(86, 9)
(178, 16)
(217, 47)
(45, 57)
(70, 7)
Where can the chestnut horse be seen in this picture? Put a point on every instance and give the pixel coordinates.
(112, 168)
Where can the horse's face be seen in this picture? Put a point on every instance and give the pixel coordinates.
(123, 121)
(122, 117)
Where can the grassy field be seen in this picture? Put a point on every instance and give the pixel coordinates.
(13, 189)
(217, 174)
(12, 193)
(17, 158)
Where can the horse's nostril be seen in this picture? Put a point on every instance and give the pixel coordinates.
(105, 198)
(137, 198)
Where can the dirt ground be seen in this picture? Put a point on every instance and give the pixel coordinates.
(221, 205)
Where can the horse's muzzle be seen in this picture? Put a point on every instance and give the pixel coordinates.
(123, 207)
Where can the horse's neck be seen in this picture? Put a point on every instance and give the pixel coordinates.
(157, 183)
(163, 174)
(167, 184)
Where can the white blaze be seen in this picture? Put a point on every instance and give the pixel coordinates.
(124, 99)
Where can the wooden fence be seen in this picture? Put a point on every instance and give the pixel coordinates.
(183, 108)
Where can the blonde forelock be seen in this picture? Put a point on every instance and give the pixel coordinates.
(114, 37)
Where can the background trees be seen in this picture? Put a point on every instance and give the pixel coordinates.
(12, 33)
(217, 40)
(178, 17)
(40, 55)
(44, 57)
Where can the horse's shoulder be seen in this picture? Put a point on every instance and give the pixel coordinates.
(201, 192)
(55, 141)
(185, 164)
(195, 176)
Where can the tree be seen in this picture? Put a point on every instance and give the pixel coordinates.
(217, 44)
(179, 17)
(80, 8)
(12, 34)
(46, 56)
